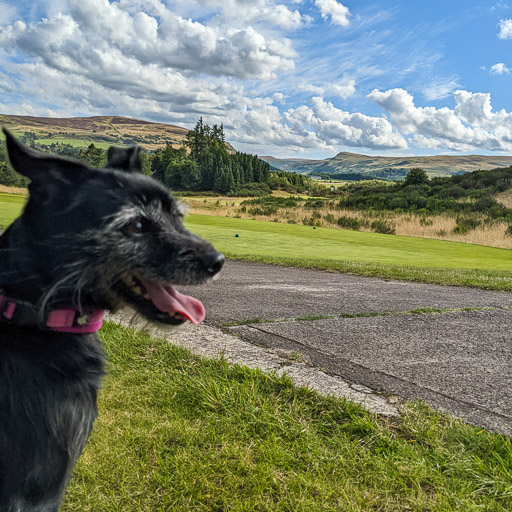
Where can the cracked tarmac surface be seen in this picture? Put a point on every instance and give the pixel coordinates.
(458, 360)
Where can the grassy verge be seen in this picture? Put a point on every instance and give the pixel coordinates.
(367, 254)
(180, 433)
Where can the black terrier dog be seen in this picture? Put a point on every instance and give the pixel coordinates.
(88, 240)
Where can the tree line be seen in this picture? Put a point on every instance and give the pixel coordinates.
(202, 163)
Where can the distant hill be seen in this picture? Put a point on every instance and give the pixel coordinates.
(297, 165)
(354, 164)
(107, 130)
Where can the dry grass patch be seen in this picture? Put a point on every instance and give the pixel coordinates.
(4, 189)
(505, 198)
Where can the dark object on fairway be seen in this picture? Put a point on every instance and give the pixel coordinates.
(237, 235)
(88, 240)
(314, 227)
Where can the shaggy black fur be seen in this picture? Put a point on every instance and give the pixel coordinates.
(85, 237)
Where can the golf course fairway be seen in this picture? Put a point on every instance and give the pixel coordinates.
(273, 241)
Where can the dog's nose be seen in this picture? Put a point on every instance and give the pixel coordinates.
(213, 261)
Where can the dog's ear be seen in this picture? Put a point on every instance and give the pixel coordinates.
(40, 167)
(124, 159)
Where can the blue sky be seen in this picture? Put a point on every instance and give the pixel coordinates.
(287, 78)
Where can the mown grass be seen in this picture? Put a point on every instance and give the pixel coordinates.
(368, 254)
(181, 433)
(10, 207)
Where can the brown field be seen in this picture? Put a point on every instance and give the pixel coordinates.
(439, 226)
(110, 129)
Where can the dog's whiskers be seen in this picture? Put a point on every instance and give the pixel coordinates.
(55, 288)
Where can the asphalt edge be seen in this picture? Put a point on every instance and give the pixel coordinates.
(212, 342)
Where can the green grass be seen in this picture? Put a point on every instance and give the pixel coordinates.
(10, 208)
(78, 143)
(181, 433)
(63, 140)
(370, 254)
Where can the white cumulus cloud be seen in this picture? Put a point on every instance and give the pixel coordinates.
(499, 69)
(471, 125)
(338, 127)
(102, 38)
(338, 13)
(505, 29)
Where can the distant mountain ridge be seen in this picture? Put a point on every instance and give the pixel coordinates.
(117, 130)
(114, 130)
(389, 167)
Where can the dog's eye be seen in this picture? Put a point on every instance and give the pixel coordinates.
(137, 227)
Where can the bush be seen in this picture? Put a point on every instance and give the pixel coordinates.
(311, 221)
(314, 203)
(252, 190)
(384, 227)
(349, 223)
(416, 176)
(465, 224)
(263, 210)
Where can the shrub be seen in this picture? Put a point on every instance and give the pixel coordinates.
(314, 203)
(416, 176)
(349, 223)
(465, 224)
(311, 221)
(425, 221)
(384, 227)
(263, 210)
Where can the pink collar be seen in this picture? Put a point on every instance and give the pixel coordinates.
(67, 319)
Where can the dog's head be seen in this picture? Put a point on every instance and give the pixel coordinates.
(103, 237)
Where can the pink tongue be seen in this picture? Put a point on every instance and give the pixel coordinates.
(171, 301)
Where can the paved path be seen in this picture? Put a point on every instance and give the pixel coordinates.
(460, 361)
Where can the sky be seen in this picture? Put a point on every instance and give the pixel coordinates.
(297, 78)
